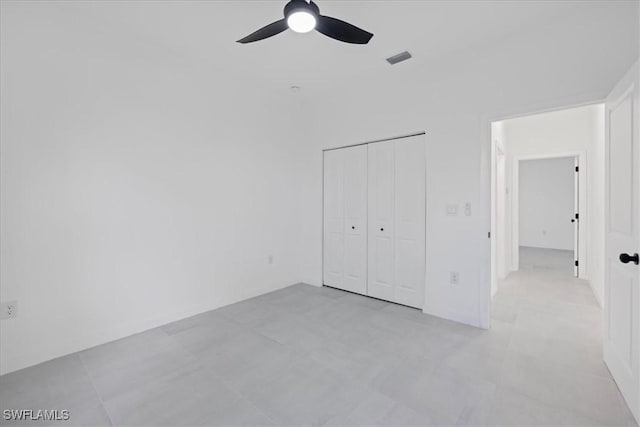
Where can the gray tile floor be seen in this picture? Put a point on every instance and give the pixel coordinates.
(317, 356)
(557, 260)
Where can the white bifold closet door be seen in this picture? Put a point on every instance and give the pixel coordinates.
(345, 219)
(396, 253)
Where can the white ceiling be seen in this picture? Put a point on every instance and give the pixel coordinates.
(206, 31)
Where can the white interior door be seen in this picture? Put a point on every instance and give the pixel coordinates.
(410, 221)
(381, 276)
(355, 224)
(334, 215)
(397, 221)
(622, 293)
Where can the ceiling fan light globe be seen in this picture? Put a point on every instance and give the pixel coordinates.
(301, 21)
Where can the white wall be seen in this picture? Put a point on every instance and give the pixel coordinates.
(502, 196)
(596, 184)
(547, 203)
(558, 133)
(136, 187)
(500, 234)
(455, 101)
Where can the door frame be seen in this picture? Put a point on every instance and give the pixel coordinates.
(582, 206)
(392, 138)
(487, 190)
(498, 157)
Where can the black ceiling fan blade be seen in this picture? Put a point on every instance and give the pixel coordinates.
(266, 32)
(343, 31)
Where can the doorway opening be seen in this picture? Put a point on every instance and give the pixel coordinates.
(547, 178)
(546, 206)
(569, 322)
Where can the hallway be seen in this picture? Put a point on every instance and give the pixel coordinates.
(553, 373)
(556, 260)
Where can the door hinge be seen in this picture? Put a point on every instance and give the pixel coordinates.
(577, 216)
(489, 235)
(577, 169)
(576, 263)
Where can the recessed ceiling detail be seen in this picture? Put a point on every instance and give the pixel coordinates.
(403, 56)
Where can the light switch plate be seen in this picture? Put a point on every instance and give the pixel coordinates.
(454, 278)
(8, 309)
(452, 210)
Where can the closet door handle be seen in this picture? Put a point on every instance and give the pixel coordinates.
(353, 227)
(382, 229)
(626, 258)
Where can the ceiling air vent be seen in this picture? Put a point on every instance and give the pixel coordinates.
(399, 58)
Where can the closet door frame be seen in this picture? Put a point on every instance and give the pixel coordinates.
(422, 133)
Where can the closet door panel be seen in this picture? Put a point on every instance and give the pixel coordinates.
(381, 280)
(410, 221)
(355, 231)
(334, 211)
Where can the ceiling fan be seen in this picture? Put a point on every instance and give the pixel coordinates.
(303, 16)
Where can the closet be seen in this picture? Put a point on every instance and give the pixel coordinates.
(345, 219)
(374, 220)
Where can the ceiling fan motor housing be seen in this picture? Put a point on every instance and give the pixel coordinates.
(301, 6)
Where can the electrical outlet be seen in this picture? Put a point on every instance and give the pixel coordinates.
(270, 259)
(454, 278)
(9, 309)
(467, 209)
